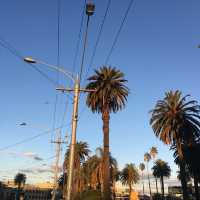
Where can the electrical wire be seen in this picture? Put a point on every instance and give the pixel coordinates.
(84, 49)
(98, 37)
(32, 138)
(75, 59)
(5, 44)
(79, 38)
(58, 60)
(119, 31)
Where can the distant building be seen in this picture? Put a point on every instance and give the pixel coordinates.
(40, 191)
(37, 194)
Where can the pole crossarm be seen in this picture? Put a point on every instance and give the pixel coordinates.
(58, 142)
(72, 90)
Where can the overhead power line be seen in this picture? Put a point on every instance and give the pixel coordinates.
(98, 38)
(79, 38)
(32, 138)
(5, 44)
(119, 31)
(58, 59)
(74, 60)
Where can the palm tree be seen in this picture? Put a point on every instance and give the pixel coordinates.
(129, 176)
(153, 153)
(81, 152)
(114, 173)
(161, 169)
(176, 121)
(147, 158)
(110, 95)
(142, 168)
(2, 186)
(19, 180)
(193, 165)
(188, 176)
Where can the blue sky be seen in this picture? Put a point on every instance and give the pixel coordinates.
(157, 51)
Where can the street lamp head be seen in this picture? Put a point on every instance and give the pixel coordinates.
(23, 124)
(199, 46)
(90, 7)
(29, 60)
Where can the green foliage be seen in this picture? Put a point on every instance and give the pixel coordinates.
(142, 167)
(161, 169)
(175, 120)
(111, 93)
(88, 195)
(153, 152)
(20, 179)
(157, 197)
(168, 197)
(81, 152)
(129, 175)
(147, 157)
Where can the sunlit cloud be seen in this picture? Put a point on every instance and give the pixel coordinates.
(31, 155)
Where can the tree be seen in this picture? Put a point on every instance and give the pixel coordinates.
(19, 180)
(142, 168)
(81, 153)
(193, 165)
(2, 186)
(176, 121)
(109, 95)
(161, 169)
(147, 158)
(153, 153)
(129, 176)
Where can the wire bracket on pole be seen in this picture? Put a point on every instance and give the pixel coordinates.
(72, 90)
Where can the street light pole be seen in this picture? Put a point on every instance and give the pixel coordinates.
(73, 138)
(90, 7)
(58, 143)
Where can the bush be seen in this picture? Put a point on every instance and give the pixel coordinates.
(89, 195)
(168, 197)
(157, 197)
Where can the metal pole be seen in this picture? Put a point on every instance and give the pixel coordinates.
(58, 148)
(73, 139)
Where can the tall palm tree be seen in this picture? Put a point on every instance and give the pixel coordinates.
(176, 121)
(193, 165)
(153, 153)
(147, 158)
(129, 176)
(110, 95)
(81, 153)
(19, 180)
(161, 169)
(142, 168)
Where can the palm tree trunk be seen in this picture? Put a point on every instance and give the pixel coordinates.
(156, 178)
(130, 190)
(196, 188)
(149, 180)
(143, 183)
(162, 186)
(183, 181)
(156, 185)
(106, 160)
(18, 191)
